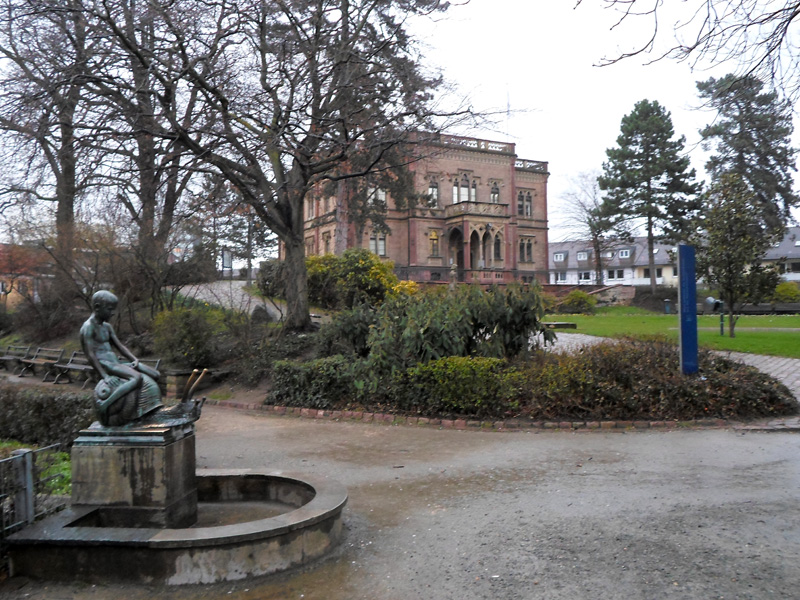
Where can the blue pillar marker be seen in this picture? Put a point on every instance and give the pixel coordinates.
(687, 309)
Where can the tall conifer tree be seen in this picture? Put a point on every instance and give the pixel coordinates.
(751, 138)
(647, 177)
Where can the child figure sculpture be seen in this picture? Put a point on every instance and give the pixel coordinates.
(127, 390)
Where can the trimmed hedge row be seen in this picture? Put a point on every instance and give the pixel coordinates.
(622, 380)
(43, 416)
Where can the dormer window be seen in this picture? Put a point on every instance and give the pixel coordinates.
(558, 257)
(583, 256)
(625, 253)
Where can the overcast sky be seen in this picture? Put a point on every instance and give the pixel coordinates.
(540, 58)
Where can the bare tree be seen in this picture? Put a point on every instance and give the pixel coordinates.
(284, 92)
(758, 35)
(592, 219)
(41, 110)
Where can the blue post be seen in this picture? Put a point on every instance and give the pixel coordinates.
(687, 308)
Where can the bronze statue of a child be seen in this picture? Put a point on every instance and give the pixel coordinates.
(101, 345)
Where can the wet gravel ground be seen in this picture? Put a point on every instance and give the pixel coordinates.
(443, 514)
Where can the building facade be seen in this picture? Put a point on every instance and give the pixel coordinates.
(786, 254)
(573, 263)
(482, 217)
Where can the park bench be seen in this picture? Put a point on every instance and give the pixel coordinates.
(560, 325)
(78, 362)
(43, 357)
(13, 355)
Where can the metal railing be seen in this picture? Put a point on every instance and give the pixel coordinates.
(27, 483)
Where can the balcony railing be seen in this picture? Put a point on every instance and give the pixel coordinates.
(476, 144)
(476, 209)
(537, 166)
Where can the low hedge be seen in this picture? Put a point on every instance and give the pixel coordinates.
(460, 385)
(43, 416)
(619, 380)
(641, 380)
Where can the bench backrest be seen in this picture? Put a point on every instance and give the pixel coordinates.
(20, 351)
(77, 358)
(49, 354)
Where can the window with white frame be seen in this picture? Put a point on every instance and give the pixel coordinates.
(625, 253)
(561, 276)
(377, 243)
(583, 255)
(376, 197)
(558, 257)
(608, 254)
(584, 276)
(620, 274)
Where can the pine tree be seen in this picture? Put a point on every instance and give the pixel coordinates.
(751, 138)
(647, 177)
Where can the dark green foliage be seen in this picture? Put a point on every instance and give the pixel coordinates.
(751, 137)
(322, 383)
(467, 321)
(641, 380)
(577, 302)
(348, 332)
(647, 176)
(43, 416)
(457, 385)
(257, 362)
(731, 241)
(189, 337)
(271, 278)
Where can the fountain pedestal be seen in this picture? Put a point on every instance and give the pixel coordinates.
(137, 476)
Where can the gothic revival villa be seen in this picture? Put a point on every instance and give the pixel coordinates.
(483, 213)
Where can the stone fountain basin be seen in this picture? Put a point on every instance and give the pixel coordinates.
(78, 544)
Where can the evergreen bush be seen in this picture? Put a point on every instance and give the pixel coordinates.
(42, 416)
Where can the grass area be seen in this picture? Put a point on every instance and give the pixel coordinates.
(756, 334)
(56, 465)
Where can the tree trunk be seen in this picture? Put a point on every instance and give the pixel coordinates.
(297, 314)
(731, 322)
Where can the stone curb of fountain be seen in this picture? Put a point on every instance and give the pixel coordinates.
(785, 425)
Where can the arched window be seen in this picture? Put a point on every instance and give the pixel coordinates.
(473, 192)
(520, 203)
(498, 248)
(495, 194)
(528, 205)
(455, 191)
(464, 193)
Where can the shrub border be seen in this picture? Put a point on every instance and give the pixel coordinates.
(500, 426)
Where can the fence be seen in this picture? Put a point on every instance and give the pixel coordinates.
(29, 482)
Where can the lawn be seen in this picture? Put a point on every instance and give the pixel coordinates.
(776, 335)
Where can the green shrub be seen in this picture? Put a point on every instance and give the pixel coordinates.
(471, 386)
(577, 302)
(322, 383)
(348, 332)
(786, 291)
(43, 416)
(467, 321)
(189, 337)
(356, 277)
(256, 362)
(641, 380)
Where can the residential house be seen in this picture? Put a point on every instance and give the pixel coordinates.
(627, 263)
(786, 254)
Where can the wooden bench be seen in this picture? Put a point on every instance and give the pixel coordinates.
(561, 325)
(13, 355)
(77, 362)
(43, 357)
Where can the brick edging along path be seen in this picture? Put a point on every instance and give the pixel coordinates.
(787, 424)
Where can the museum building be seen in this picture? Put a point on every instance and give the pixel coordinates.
(483, 213)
